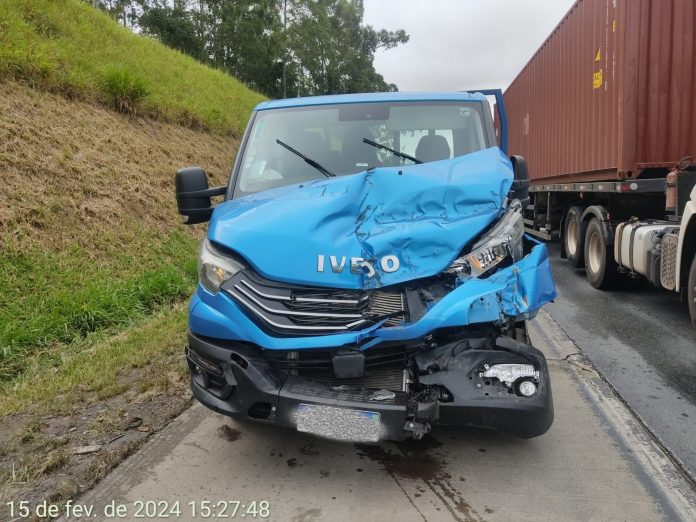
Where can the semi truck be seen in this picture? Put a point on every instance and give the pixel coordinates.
(367, 275)
(605, 114)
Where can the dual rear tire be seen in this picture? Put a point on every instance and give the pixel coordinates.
(585, 245)
(600, 265)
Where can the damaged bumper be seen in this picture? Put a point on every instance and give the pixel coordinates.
(440, 384)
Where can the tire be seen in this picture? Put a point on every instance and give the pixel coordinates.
(691, 294)
(574, 237)
(600, 266)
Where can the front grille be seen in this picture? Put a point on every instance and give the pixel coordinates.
(347, 394)
(384, 366)
(303, 310)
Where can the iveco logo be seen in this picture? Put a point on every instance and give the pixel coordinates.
(358, 265)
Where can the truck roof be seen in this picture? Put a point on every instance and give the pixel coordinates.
(372, 97)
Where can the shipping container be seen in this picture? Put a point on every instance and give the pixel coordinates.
(610, 94)
(605, 115)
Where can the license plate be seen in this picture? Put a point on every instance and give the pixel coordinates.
(339, 423)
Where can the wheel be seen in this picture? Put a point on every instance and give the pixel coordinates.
(691, 294)
(574, 237)
(599, 260)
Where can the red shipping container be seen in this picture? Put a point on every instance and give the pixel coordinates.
(610, 94)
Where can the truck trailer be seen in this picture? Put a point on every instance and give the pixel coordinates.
(605, 114)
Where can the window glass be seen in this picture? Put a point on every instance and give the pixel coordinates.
(332, 136)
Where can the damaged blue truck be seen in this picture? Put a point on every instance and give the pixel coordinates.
(367, 275)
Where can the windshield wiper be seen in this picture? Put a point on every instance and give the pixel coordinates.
(307, 160)
(393, 151)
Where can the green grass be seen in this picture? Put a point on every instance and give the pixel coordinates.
(67, 46)
(59, 297)
(93, 366)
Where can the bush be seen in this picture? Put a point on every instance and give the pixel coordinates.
(125, 90)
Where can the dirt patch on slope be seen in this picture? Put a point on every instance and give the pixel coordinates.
(72, 170)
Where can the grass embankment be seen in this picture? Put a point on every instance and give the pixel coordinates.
(94, 267)
(68, 47)
(89, 236)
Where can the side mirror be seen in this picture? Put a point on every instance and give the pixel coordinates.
(193, 195)
(520, 186)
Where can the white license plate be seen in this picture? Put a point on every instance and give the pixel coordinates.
(339, 423)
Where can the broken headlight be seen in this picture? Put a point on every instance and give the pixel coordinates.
(501, 241)
(214, 267)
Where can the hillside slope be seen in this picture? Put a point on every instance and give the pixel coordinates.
(89, 235)
(94, 273)
(68, 47)
(95, 268)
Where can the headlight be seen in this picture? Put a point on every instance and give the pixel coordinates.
(503, 240)
(214, 267)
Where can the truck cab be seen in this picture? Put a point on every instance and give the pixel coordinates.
(367, 275)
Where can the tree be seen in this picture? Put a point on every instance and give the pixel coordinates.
(176, 28)
(245, 39)
(334, 50)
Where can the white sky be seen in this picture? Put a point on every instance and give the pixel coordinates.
(461, 44)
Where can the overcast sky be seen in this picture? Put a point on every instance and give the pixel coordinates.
(461, 44)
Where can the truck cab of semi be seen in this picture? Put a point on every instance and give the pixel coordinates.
(367, 275)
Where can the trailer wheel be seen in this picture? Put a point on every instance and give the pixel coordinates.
(691, 294)
(599, 260)
(574, 237)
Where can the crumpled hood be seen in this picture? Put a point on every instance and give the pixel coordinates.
(422, 214)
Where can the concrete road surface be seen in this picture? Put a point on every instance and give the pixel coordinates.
(596, 463)
(641, 340)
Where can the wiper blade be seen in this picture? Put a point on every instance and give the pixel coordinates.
(326, 172)
(393, 151)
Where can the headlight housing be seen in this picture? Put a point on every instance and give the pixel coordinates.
(214, 267)
(501, 241)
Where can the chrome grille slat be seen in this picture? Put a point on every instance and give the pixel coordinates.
(291, 327)
(299, 309)
(292, 312)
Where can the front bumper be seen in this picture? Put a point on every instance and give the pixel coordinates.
(235, 379)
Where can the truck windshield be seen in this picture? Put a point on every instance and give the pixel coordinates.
(334, 137)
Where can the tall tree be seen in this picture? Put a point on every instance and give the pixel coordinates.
(246, 39)
(335, 51)
(176, 28)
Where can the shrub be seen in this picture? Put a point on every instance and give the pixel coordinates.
(125, 90)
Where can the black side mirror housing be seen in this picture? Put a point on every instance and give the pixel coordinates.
(520, 185)
(193, 195)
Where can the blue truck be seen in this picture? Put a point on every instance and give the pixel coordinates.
(367, 275)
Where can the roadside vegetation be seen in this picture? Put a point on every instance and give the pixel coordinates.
(95, 269)
(89, 235)
(68, 47)
(280, 47)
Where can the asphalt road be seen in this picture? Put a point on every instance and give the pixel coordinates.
(641, 340)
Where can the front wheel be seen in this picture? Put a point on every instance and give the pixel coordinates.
(599, 260)
(691, 294)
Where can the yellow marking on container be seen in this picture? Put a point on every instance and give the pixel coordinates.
(597, 79)
(613, 26)
(598, 56)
